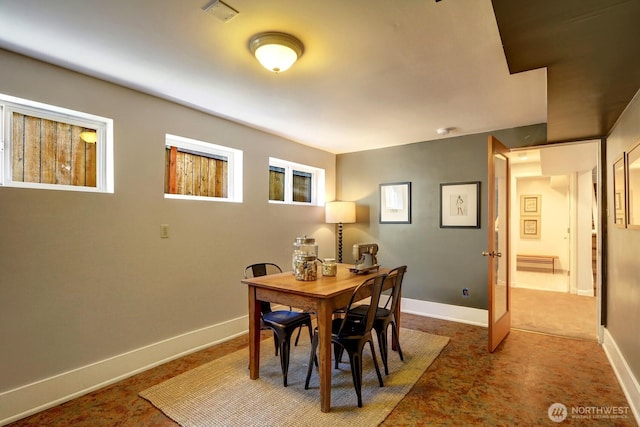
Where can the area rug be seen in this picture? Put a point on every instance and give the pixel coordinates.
(220, 393)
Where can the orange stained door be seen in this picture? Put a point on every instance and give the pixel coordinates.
(497, 252)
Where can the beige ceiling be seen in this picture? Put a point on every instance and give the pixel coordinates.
(373, 74)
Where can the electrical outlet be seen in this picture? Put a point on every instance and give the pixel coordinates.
(164, 231)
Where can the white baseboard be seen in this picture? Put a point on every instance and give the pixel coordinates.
(627, 381)
(454, 313)
(38, 396)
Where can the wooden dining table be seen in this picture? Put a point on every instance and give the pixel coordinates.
(321, 296)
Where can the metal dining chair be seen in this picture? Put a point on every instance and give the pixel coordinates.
(283, 323)
(351, 333)
(385, 316)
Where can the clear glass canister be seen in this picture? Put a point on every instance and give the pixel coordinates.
(329, 267)
(303, 246)
(306, 267)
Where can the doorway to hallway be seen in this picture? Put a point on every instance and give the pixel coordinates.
(554, 217)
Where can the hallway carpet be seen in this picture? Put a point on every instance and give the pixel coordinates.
(555, 313)
(465, 385)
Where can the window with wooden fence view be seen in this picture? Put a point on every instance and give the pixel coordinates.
(300, 182)
(191, 173)
(301, 186)
(52, 152)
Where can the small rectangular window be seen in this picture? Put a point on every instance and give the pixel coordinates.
(302, 186)
(295, 183)
(276, 183)
(199, 170)
(54, 148)
(50, 152)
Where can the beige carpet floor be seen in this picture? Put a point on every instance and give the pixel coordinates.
(554, 313)
(220, 393)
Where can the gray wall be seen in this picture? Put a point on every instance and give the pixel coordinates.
(86, 276)
(440, 261)
(623, 290)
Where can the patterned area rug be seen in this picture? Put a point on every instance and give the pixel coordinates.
(220, 393)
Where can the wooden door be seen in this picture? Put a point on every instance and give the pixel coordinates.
(497, 252)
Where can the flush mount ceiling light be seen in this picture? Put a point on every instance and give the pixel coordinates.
(276, 51)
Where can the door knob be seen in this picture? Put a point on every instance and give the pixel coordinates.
(498, 254)
(485, 253)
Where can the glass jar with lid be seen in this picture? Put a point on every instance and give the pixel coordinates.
(303, 246)
(305, 267)
(329, 267)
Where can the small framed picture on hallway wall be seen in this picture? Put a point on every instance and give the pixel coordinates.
(530, 205)
(529, 227)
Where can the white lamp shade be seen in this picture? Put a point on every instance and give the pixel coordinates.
(340, 212)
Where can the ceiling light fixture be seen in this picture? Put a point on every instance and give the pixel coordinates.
(276, 51)
(443, 131)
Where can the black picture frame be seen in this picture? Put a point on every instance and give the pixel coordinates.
(395, 203)
(460, 204)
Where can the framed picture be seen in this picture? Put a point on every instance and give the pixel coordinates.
(460, 205)
(530, 227)
(633, 187)
(530, 205)
(395, 203)
(619, 191)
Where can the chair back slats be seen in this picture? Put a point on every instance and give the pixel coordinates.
(261, 269)
(372, 287)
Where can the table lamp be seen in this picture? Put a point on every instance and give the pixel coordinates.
(337, 212)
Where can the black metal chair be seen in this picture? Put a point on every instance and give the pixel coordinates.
(283, 323)
(385, 316)
(351, 333)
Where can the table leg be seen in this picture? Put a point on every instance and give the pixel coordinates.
(254, 334)
(325, 315)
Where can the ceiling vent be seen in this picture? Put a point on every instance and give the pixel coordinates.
(220, 10)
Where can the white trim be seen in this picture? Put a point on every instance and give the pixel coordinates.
(627, 381)
(454, 313)
(40, 395)
(585, 293)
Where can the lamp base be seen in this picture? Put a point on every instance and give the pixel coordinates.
(340, 242)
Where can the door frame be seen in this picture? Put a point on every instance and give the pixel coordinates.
(600, 279)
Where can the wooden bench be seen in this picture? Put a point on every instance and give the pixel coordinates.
(541, 263)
